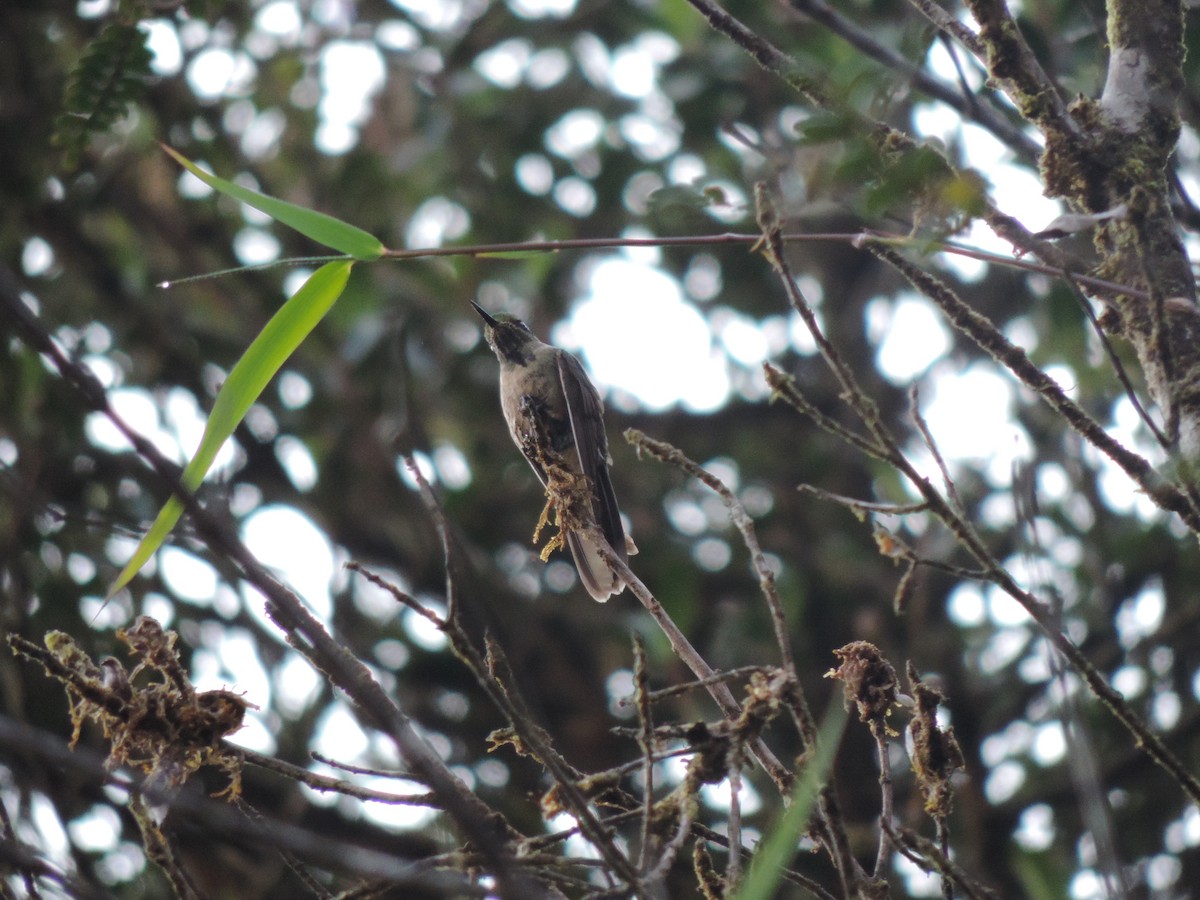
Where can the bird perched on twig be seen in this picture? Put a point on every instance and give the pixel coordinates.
(556, 419)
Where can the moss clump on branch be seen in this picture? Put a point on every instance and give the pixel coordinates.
(165, 728)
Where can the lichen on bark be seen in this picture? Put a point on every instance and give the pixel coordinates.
(1113, 150)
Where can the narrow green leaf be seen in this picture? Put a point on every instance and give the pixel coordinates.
(250, 376)
(777, 848)
(324, 229)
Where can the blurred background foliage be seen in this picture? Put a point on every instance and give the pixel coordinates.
(466, 122)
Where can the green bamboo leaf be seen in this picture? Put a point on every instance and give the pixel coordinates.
(250, 376)
(777, 848)
(322, 228)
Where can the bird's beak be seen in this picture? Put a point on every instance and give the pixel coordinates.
(484, 314)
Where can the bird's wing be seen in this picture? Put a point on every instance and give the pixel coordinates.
(587, 426)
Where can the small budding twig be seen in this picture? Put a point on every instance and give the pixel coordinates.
(905, 588)
(895, 549)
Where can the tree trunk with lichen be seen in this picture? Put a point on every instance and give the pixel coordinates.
(1118, 156)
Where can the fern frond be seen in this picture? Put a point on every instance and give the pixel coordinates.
(110, 75)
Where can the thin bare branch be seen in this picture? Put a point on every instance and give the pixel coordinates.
(1115, 361)
(646, 742)
(360, 770)
(965, 104)
(926, 854)
(741, 520)
(1005, 226)
(305, 873)
(404, 599)
(914, 403)
(676, 689)
(9, 838)
(952, 51)
(683, 828)
(772, 250)
(784, 387)
(733, 871)
(433, 507)
(988, 338)
(323, 783)
(761, 50)
(943, 843)
(853, 503)
(951, 26)
(886, 803)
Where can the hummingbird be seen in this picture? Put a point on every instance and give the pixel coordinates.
(556, 419)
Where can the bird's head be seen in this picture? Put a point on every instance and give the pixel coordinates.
(509, 337)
